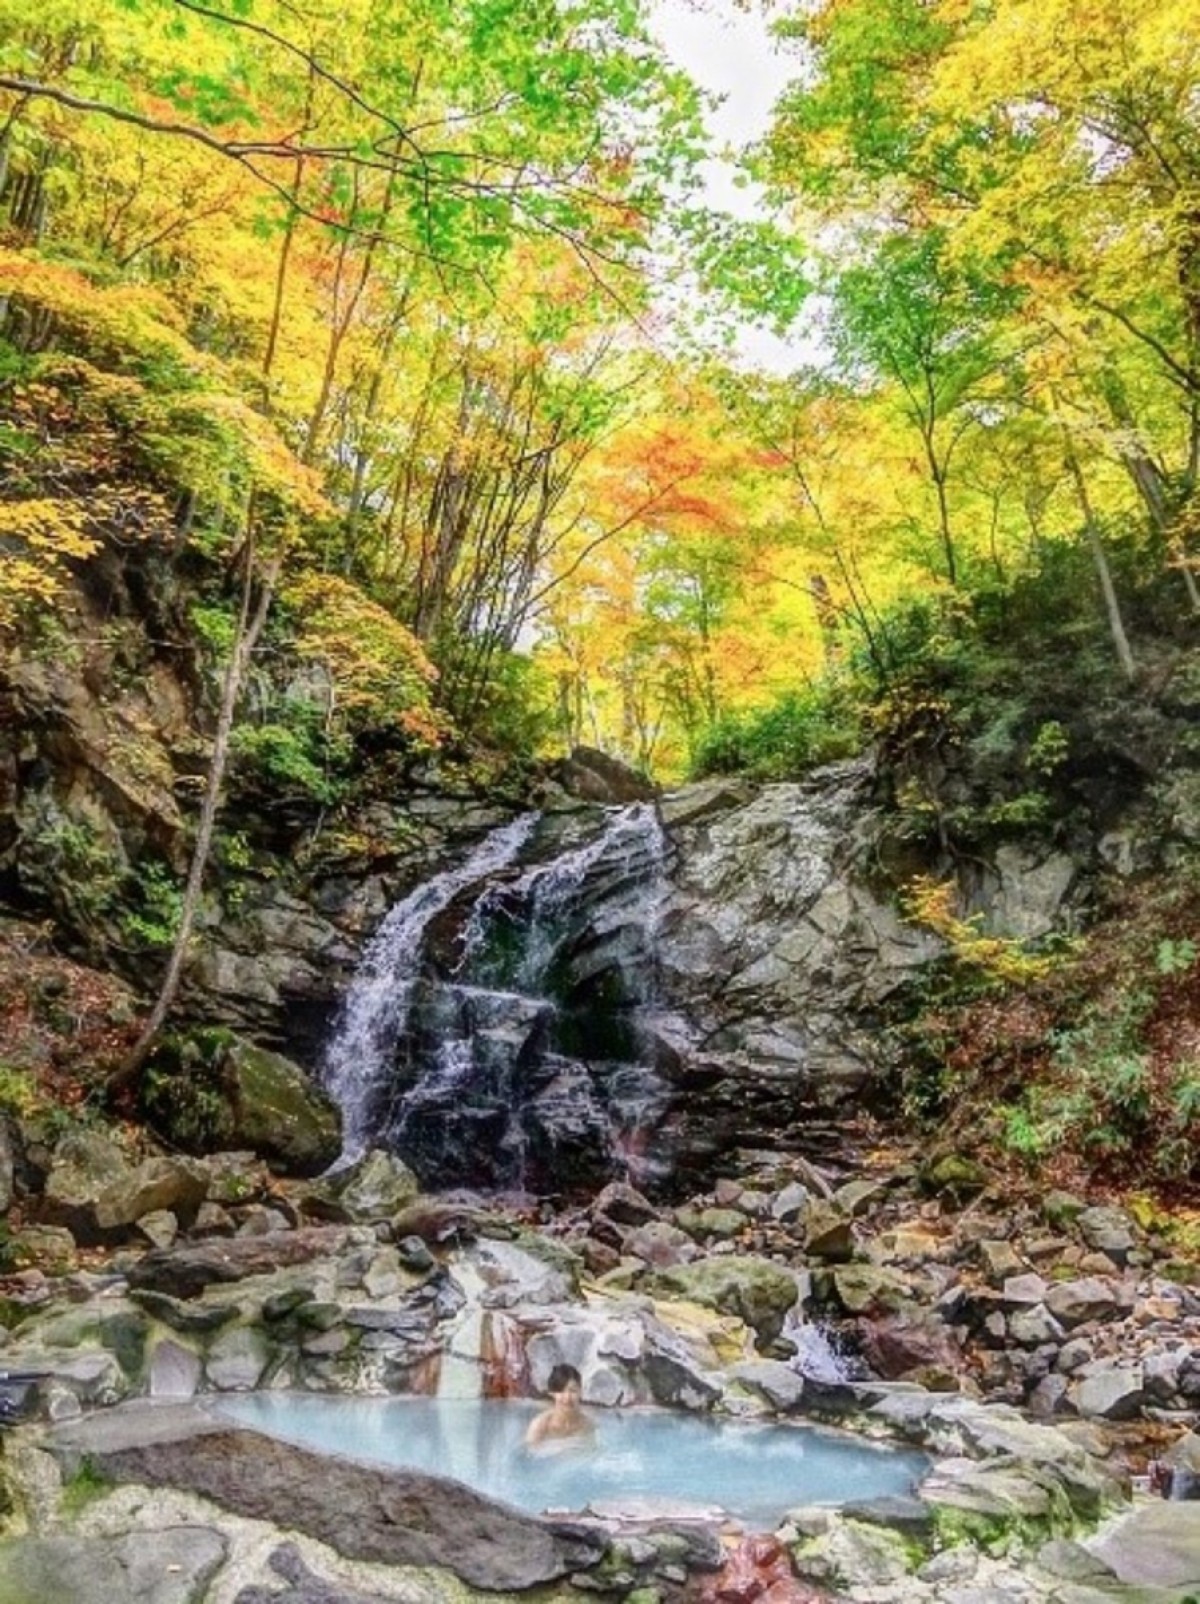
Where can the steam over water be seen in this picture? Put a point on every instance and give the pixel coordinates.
(753, 1472)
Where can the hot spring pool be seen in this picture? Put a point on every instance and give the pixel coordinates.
(753, 1471)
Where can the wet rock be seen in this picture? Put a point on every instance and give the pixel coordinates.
(237, 1359)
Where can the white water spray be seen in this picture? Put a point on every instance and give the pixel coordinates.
(358, 1060)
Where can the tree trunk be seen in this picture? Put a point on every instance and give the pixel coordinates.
(1112, 606)
(249, 628)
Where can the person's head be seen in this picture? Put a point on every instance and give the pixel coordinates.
(565, 1382)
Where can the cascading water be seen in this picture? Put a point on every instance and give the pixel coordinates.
(495, 1034)
(358, 1058)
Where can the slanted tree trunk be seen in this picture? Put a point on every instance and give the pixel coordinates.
(1112, 606)
(252, 616)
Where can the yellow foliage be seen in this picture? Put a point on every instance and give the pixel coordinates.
(931, 903)
(38, 540)
(378, 668)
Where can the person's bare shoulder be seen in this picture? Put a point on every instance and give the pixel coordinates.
(536, 1432)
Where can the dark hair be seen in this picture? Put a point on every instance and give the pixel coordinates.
(561, 1376)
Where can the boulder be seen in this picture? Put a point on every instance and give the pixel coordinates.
(184, 1272)
(211, 1090)
(1035, 1326)
(1075, 1302)
(756, 1290)
(898, 1344)
(779, 1384)
(1107, 1230)
(1109, 1389)
(828, 1233)
(660, 1244)
(867, 1288)
(175, 1371)
(392, 1518)
(157, 1186)
(954, 1174)
(171, 1565)
(375, 1187)
(595, 776)
(95, 1191)
(623, 1205)
(999, 1260)
(237, 1359)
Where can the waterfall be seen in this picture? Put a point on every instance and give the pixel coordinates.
(507, 1046)
(815, 1356)
(358, 1058)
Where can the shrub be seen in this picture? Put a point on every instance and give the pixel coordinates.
(798, 732)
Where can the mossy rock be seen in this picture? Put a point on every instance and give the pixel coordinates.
(756, 1290)
(953, 1174)
(208, 1091)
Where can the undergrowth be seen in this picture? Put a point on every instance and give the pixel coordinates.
(1083, 1066)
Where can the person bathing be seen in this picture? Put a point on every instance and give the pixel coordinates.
(564, 1417)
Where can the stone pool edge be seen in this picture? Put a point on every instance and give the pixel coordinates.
(998, 1483)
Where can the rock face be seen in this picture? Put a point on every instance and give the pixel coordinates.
(635, 991)
(771, 942)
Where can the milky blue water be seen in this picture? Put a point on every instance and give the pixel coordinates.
(754, 1472)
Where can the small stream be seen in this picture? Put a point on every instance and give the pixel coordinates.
(752, 1472)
